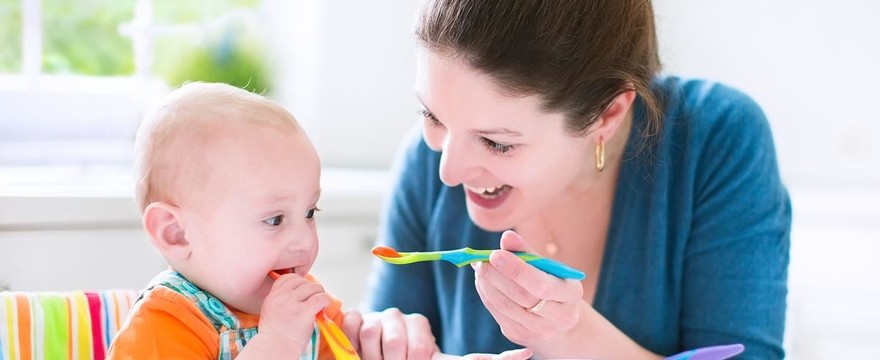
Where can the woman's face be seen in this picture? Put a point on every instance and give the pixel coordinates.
(512, 158)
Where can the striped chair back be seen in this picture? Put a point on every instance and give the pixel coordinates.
(75, 325)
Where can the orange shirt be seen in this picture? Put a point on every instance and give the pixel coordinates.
(167, 325)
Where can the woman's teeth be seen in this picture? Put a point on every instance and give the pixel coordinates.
(491, 192)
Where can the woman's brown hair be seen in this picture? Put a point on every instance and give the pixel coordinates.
(578, 55)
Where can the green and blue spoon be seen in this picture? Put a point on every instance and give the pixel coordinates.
(465, 256)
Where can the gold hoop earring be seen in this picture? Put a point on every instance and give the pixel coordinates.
(600, 154)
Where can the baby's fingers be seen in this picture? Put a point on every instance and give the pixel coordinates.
(316, 303)
(296, 289)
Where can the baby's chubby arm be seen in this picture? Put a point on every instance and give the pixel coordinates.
(287, 319)
(390, 334)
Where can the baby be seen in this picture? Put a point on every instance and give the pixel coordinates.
(228, 186)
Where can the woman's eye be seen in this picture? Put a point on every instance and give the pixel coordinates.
(496, 148)
(275, 220)
(429, 117)
(310, 214)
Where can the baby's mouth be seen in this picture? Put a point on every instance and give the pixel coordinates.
(275, 274)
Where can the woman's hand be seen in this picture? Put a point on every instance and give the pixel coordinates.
(394, 335)
(390, 334)
(530, 306)
(518, 354)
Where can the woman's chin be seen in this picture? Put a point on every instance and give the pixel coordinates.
(495, 222)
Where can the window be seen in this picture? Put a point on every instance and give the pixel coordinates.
(76, 77)
(10, 36)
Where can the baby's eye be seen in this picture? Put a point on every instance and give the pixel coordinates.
(275, 220)
(310, 214)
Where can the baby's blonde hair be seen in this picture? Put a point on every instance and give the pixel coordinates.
(193, 104)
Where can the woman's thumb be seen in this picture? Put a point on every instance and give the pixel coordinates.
(511, 241)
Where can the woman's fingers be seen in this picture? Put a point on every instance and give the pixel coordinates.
(509, 301)
(420, 340)
(371, 336)
(519, 324)
(514, 354)
(511, 289)
(351, 327)
(534, 281)
(518, 354)
(512, 329)
(523, 314)
(511, 241)
(394, 335)
(529, 305)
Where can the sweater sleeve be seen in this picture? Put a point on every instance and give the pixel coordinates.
(736, 259)
(165, 325)
(404, 226)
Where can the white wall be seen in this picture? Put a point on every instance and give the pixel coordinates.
(811, 64)
(347, 73)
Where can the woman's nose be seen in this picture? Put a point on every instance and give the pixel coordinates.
(457, 165)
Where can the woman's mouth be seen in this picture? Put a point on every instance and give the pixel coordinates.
(488, 197)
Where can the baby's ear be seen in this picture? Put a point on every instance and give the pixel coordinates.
(162, 223)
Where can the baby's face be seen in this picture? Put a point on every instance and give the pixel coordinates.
(250, 210)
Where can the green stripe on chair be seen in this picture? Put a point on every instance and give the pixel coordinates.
(59, 325)
(55, 319)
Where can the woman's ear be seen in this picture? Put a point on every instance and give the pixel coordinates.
(166, 232)
(614, 115)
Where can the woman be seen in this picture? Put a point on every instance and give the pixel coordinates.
(549, 118)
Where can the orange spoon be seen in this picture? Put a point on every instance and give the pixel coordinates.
(339, 344)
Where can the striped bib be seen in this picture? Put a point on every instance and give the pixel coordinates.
(233, 337)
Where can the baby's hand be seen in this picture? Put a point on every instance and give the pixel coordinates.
(289, 309)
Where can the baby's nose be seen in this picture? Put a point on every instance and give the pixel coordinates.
(302, 242)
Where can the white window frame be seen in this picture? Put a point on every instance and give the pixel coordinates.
(100, 113)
